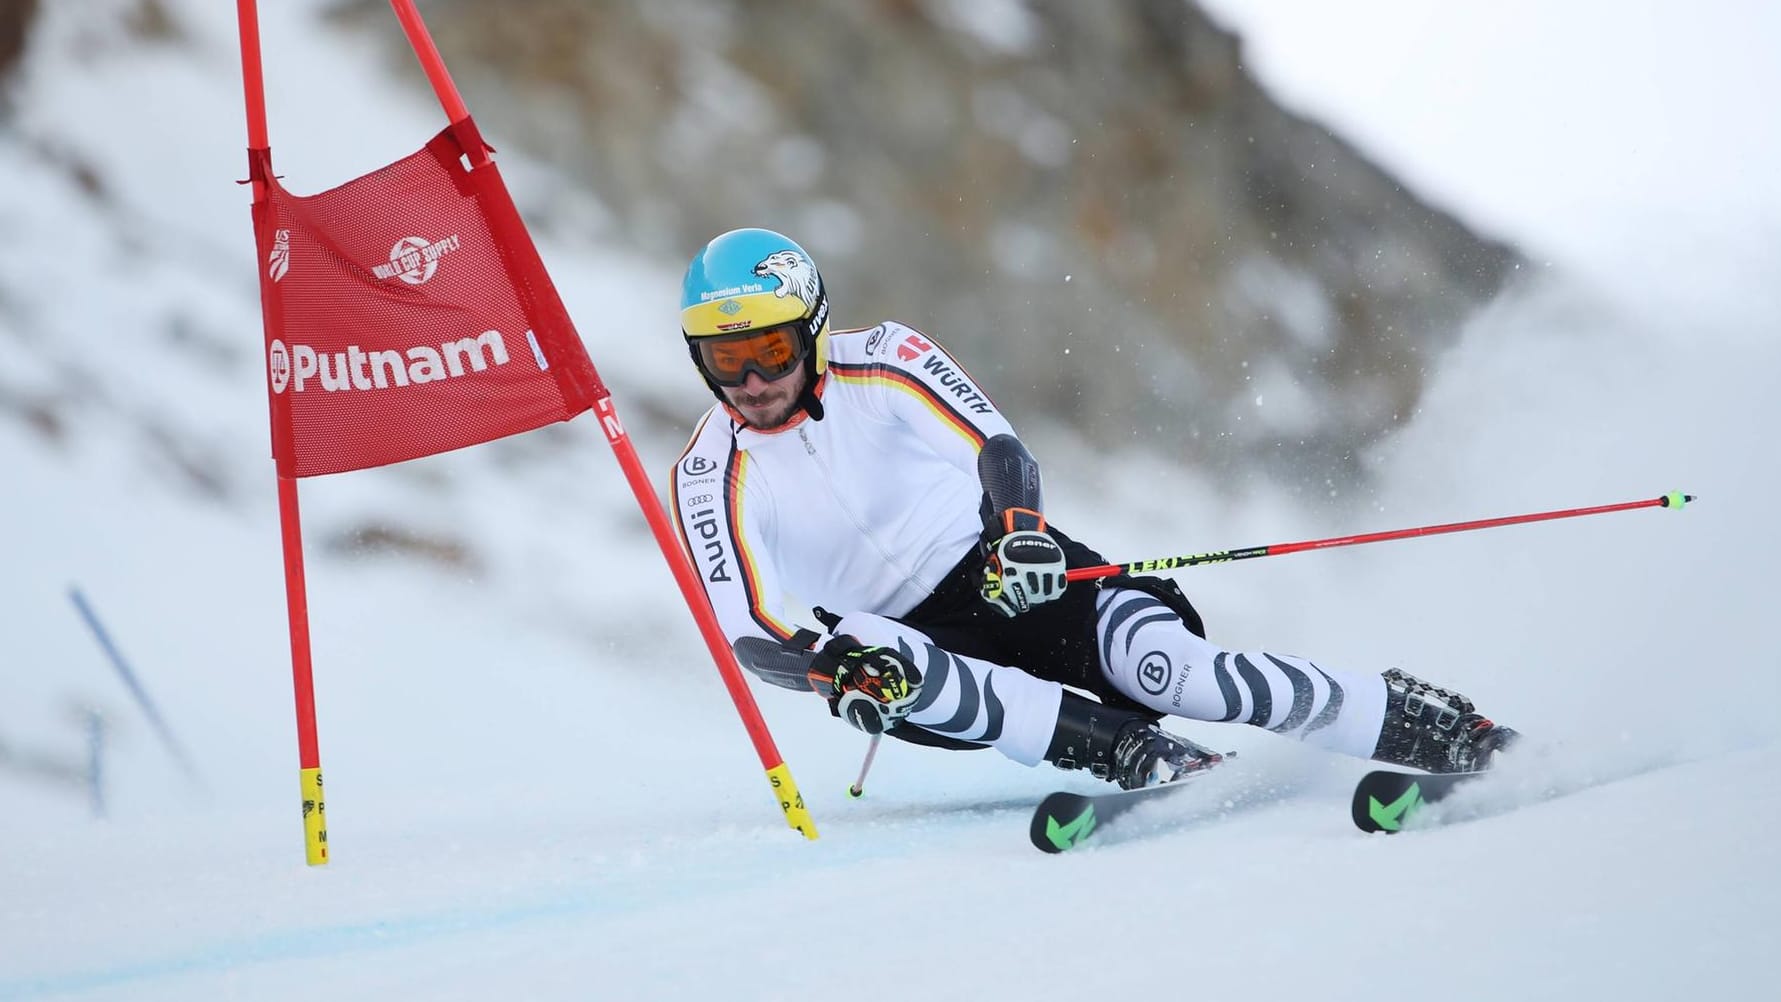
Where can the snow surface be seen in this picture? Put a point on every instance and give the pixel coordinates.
(523, 807)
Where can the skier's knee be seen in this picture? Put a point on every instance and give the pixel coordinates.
(873, 630)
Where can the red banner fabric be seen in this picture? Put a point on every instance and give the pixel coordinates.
(407, 314)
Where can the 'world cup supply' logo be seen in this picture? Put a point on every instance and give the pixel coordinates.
(415, 259)
(278, 365)
(409, 254)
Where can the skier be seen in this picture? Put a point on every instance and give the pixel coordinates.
(867, 471)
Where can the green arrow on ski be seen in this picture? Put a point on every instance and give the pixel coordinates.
(1391, 817)
(1066, 835)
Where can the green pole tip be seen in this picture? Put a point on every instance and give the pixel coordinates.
(855, 793)
(1676, 499)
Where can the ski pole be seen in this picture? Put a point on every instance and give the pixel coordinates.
(858, 789)
(134, 684)
(1674, 499)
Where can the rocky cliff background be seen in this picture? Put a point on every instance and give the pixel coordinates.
(1125, 237)
(1094, 204)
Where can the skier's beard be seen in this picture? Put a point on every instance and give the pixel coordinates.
(772, 405)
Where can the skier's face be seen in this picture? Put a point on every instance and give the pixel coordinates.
(767, 404)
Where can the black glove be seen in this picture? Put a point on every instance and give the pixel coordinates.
(1022, 565)
(871, 687)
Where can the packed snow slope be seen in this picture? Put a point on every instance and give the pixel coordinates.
(522, 806)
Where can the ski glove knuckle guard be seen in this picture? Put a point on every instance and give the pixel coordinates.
(1023, 566)
(872, 688)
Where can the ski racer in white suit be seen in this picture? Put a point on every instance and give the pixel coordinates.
(867, 473)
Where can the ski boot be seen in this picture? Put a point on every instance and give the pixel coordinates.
(1122, 746)
(1435, 729)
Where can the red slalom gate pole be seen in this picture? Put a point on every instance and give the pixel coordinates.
(309, 757)
(421, 41)
(779, 776)
(1675, 499)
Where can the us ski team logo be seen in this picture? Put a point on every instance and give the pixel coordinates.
(415, 259)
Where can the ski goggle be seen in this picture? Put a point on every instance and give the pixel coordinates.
(771, 353)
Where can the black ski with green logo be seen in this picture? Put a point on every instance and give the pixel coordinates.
(1385, 801)
(1066, 820)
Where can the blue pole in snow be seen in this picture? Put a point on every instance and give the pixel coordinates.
(96, 761)
(131, 682)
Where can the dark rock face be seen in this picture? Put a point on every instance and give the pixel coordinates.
(1094, 205)
(15, 23)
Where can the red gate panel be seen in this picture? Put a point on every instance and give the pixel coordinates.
(409, 314)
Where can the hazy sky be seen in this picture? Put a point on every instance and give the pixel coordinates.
(1571, 126)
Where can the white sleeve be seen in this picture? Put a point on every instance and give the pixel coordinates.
(729, 541)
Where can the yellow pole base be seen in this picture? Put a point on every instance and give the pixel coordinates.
(790, 800)
(315, 818)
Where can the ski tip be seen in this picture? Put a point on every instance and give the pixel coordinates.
(1061, 822)
(1385, 798)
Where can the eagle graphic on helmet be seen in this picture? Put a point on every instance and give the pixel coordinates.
(797, 276)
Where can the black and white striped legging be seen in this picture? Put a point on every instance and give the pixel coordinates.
(1150, 656)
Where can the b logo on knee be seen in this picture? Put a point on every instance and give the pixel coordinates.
(1153, 672)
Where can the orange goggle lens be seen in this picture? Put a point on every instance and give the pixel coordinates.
(772, 353)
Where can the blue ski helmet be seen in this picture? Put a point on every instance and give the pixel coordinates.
(751, 280)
